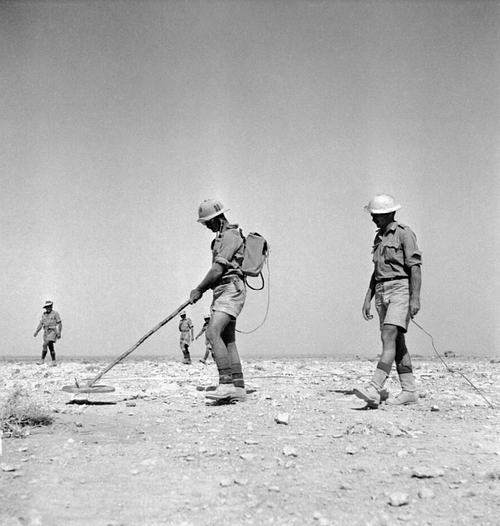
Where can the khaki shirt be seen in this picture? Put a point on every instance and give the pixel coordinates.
(228, 249)
(394, 252)
(49, 322)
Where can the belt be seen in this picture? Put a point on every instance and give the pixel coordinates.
(383, 280)
(229, 279)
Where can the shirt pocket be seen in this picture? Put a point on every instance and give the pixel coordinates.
(392, 250)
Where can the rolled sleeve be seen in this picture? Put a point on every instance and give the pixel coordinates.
(228, 248)
(413, 256)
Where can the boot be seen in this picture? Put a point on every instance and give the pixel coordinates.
(408, 394)
(187, 358)
(53, 364)
(41, 362)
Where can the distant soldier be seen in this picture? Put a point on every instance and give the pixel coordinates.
(186, 330)
(208, 345)
(52, 328)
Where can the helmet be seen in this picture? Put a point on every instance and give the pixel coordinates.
(48, 303)
(382, 204)
(183, 313)
(209, 209)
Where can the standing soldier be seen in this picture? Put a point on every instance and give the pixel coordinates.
(186, 330)
(395, 284)
(225, 277)
(208, 347)
(52, 328)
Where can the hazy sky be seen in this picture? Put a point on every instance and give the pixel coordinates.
(120, 117)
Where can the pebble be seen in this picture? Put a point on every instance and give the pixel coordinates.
(426, 493)
(351, 450)
(399, 499)
(289, 451)
(427, 473)
(225, 482)
(282, 418)
(434, 408)
(7, 467)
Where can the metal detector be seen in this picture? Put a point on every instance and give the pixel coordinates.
(91, 387)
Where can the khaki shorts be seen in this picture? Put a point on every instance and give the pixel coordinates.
(392, 300)
(230, 297)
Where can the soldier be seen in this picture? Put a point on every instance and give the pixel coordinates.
(208, 347)
(186, 330)
(395, 284)
(52, 328)
(225, 277)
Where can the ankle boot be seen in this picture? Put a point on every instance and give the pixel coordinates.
(408, 394)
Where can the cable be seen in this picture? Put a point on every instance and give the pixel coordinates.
(449, 368)
(268, 298)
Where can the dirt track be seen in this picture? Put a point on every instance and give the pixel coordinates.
(155, 453)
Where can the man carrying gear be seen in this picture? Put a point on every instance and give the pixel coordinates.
(52, 328)
(225, 277)
(186, 330)
(395, 284)
(208, 347)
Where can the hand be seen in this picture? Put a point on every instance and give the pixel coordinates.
(34, 335)
(195, 295)
(366, 311)
(414, 307)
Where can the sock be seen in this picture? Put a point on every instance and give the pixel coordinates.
(380, 375)
(237, 375)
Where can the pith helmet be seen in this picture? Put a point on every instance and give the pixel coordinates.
(382, 204)
(48, 303)
(209, 209)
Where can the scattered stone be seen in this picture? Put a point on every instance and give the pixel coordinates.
(248, 456)
(251, 442)
(275, 489)
(427, 473)
(426, 493)
(397, 499)
(225, 482)
(492, 474)
(7, 467)
(351, 450)
(289, 451)
(434, 408)
(240, 481)
(282, 418)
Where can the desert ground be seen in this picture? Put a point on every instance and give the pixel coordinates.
(302, 450)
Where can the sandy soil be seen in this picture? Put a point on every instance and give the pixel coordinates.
(302, 450)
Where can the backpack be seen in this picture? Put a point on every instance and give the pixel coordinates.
(255, 255)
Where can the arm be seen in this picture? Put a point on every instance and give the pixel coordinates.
(415, 284)
(213, 275)
(368, 299)
(59, 329)
(38, 329)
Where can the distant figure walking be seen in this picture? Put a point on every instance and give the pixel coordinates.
(52, 329)
(186, 330)
(208, 345)
(395, 284)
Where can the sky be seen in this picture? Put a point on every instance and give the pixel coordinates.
(119, 118)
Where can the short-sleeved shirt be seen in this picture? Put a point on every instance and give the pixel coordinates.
(395, 251)
(50, 321)
(185, 325)
(228, 249)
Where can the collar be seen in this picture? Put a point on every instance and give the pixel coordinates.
(391, 227)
